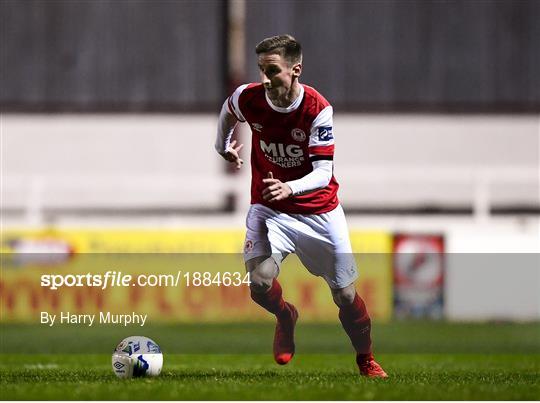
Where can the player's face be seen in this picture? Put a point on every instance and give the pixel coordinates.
(277, 75)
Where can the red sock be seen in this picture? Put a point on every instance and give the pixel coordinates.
(356, 322)
(272, 300)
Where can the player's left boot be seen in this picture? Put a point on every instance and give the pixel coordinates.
(284, 336)
(369, 367)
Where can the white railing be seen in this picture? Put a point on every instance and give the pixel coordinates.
(35, 194)
(476, 185)
(360, 186)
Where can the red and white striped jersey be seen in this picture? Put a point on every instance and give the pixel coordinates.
(285, 141)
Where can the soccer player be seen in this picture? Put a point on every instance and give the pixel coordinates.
(294, 204)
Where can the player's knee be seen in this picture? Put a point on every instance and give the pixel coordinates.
(262, 273)
(259, 284)
(344, 296)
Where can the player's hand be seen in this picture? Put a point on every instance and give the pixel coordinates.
(232, 154)
(275, 189)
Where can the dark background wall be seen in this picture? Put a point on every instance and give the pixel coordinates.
(391, 55)
(412, 54)
(107, 54)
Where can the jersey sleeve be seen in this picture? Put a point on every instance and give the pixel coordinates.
(233, 105)
(321, 139)
(317, 179)
(225, 130)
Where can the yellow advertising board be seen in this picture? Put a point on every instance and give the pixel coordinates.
(175, 275)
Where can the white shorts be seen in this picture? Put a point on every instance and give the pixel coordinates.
(321, 241)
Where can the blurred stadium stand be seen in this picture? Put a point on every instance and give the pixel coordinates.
(437, 103)
(391, 55)
(109, 55)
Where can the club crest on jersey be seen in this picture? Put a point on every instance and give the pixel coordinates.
(325, 133)
(298, 134)
(257, 126)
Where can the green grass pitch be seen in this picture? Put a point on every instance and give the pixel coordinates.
(425, 361)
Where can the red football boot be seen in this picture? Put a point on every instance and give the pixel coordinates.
(369, 367)
(284, 337)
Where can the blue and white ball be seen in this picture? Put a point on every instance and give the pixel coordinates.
(137, 356)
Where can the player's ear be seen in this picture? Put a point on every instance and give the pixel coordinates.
(297, 69)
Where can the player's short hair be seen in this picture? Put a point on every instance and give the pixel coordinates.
(284, 45)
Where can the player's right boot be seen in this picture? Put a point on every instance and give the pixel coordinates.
(284, 336)
(369, 367)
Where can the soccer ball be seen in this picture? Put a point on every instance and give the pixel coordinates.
(137, 356)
